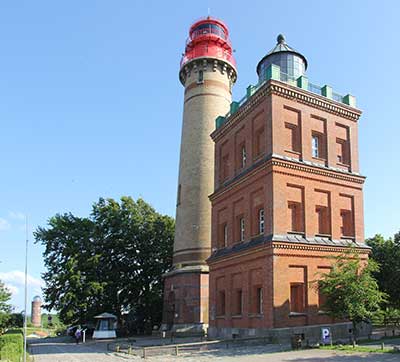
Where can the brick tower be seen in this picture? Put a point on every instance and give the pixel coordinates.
(288, 194)
(36, 312)
(207, 72)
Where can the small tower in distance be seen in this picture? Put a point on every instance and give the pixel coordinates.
(207, 71)
(37, 311)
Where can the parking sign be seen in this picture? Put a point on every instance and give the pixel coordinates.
(326, 335)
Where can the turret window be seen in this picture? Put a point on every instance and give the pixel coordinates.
(200, 78)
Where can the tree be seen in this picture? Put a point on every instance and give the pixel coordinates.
(350, 290)
(112, 261)
(386, 252)
(5, 307)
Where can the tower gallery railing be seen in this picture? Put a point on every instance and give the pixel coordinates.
(274, 72)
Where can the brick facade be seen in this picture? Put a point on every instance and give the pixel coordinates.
(288, 195)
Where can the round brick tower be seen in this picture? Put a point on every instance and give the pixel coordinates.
(207, 72)
(37, 311)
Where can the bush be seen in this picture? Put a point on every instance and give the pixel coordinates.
(11, 346)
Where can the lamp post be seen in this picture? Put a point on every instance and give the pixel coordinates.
(26, 285)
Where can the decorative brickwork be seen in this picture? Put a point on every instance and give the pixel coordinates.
(311, 202)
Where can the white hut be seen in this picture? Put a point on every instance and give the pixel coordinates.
(106, 326)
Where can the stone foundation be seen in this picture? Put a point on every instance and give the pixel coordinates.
(341, 332)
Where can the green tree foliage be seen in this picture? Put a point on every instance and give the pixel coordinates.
(386, 252)
(351, 292)
(16, 320)
(5, 307)
(112, 261)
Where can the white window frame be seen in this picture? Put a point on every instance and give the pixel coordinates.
(243, 156)
(225, 234)
(315, 146)
(241, 225)
(261, 221)
(260, 301)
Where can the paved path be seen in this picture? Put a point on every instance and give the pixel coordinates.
(62, 350)
(54, 350)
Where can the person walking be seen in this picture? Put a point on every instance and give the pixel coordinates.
(78, 334)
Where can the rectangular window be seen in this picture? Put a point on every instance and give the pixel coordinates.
(261, 221)
(297, 297)
(221, 303)
(200, 78)
(243, 156)
(225, 235)
(259, 300)
(296, 216)
(238, 302)
(315, 144)
(241, 228)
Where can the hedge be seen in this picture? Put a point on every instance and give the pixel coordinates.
(11, 346)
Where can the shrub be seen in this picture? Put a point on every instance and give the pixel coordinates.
(11, 346)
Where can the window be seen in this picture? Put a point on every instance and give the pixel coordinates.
(315, 144)
(225, 234)
(200, 78)
(259, 300)
(243, 156)
(241, 228)
(297, 297)
(238, 302)
(347, 227)
(261, 221)
(296, 216)
(221, 303)
(323, 220)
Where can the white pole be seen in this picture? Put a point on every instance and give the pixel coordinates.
(26, 286)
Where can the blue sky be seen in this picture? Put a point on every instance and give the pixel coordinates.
(91, 104)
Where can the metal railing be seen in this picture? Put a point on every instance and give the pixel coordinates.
(283, 77)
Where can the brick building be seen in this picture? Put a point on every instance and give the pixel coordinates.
(287, 195)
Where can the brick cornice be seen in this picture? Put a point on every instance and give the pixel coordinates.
(272, 160)
(287, 91)
(314, 100)
(282, 248)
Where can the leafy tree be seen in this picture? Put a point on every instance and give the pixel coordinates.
(386, 252)
(350, 290)
(5, 307)
(16, 320)
(112, 261)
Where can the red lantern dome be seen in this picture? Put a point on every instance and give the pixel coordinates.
(208, 38)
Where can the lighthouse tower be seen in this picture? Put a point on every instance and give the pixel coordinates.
(207, 71)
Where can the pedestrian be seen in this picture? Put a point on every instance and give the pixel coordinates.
(78, 334)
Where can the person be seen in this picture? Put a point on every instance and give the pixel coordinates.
(78, 334)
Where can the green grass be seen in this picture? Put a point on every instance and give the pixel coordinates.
(350, 349)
